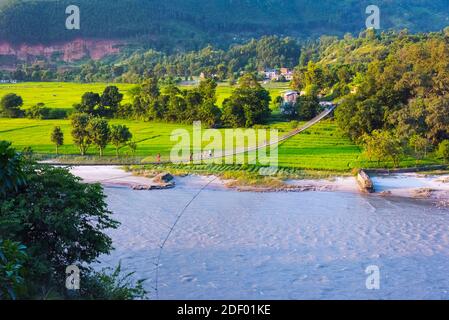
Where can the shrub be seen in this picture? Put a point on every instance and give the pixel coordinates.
(443, 150)
(61, 222)
(10, 106)
(58, 114)
(41, 112)
(12, 257)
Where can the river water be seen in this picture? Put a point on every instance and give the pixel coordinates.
(312, 245)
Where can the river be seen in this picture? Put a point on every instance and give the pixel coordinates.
(310, 245)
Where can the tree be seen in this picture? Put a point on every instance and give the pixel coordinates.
(150, 88)
(290, 110)
(38, 111)
(176, 108)
(12, 176)
(80, 131)
(308, 107)
(132, 145)
(207, 89)
(50, 223)
(443, 150)
(110, 101)
(120, 135)
(100, 133)
(248, 105)
(233, 115)
(10, 106)
(383, 146)
(209, 114)
(90, 102)
(356, 118)
(58, 230)
(420, 146)
(12, 258)
(57, 137)
(438, 119)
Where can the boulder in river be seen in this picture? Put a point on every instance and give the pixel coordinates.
(365, 182)
(163, 178)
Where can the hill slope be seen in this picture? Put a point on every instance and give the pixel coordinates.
(193, 23)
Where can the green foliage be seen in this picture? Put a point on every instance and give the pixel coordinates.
(174, 104)
(12, 258)
(11, 173)
(89, 102)
(443, 150)
(111, 284)
(248, 105)
(383, 146)
(57, 137)
(401, 85)
(10, 106)
(420, 146)
(194, 23)
(309, 107)
(119, 136)
(100, 133)
(111, 98)
(105, 105)
(38, 111)
(80, 131)
(50, 223)
(61, 221)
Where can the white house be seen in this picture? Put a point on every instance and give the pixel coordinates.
(271, 74)
(291, 96)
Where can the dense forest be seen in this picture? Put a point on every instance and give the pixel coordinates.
(392, 88)
(192, 24)
(255, 55)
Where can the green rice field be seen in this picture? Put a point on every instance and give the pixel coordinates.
(63, 95)
(322, 147)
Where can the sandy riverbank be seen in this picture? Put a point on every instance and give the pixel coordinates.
(408, 185)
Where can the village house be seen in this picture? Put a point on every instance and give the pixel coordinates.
(276, 75)
(287, 74)
(291, 96)
(271, 74)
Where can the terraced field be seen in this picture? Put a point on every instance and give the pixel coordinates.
(320, 147)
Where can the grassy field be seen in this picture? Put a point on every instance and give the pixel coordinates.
(56, 94)
(152, 138)
(63, 95)
(322, 147)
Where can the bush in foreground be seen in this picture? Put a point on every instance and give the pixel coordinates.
(61, 222)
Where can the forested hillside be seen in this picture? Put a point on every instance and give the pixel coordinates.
(192, 24)
(393, 89)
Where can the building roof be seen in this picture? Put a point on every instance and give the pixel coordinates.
(290, 92)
